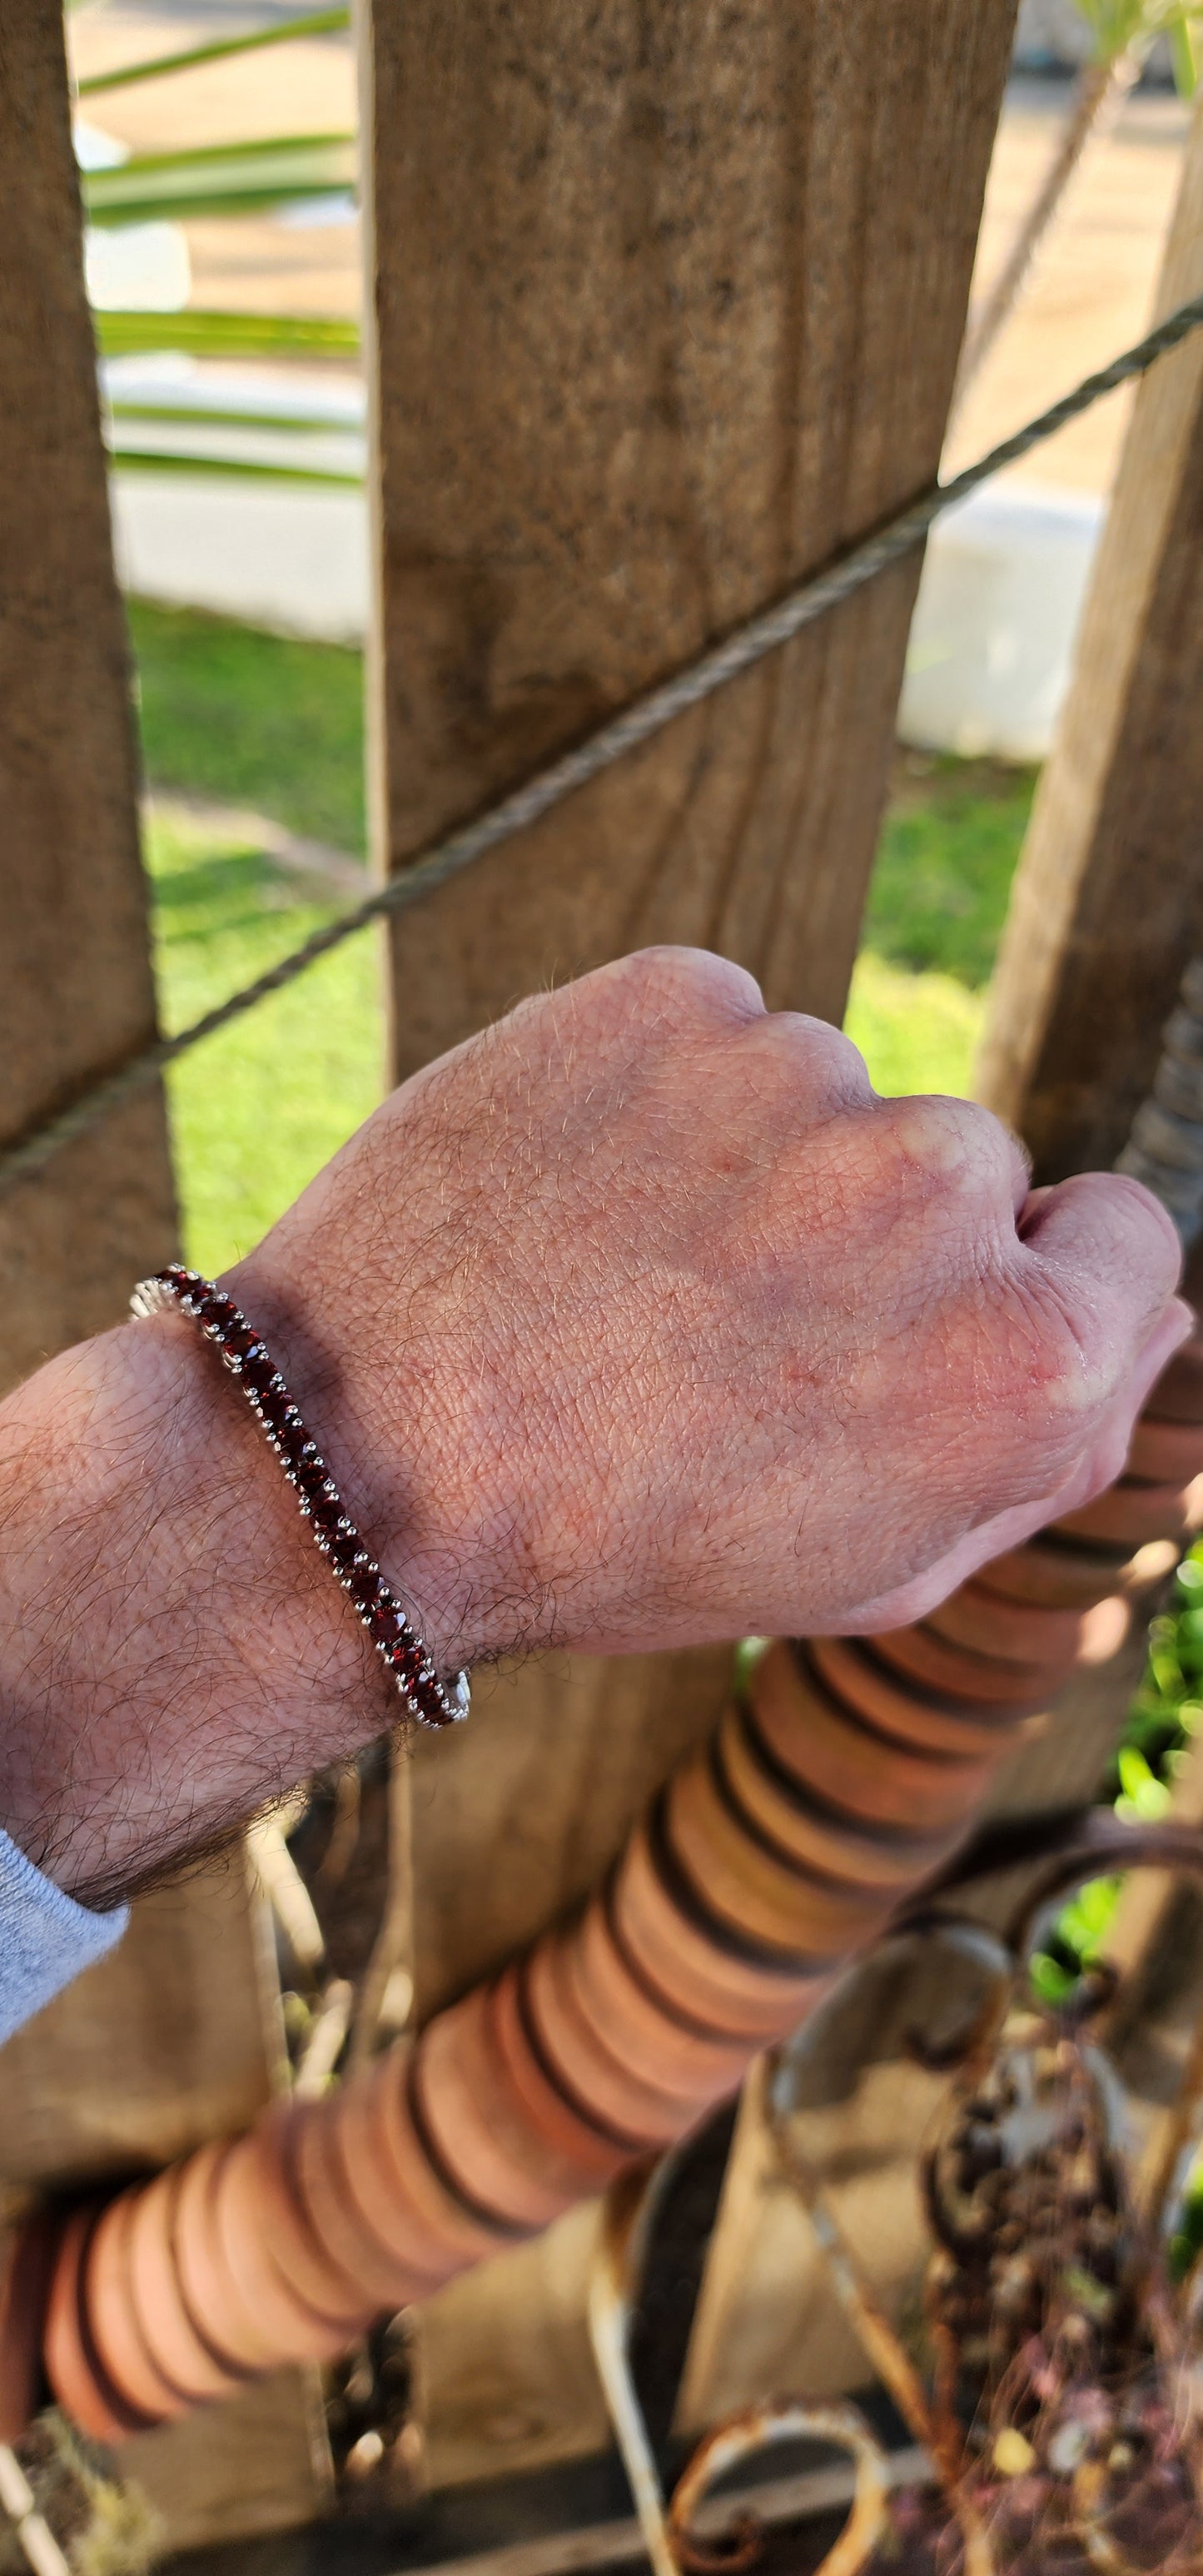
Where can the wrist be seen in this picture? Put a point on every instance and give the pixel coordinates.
(173, 1650)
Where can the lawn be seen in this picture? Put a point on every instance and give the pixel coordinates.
(276, 727)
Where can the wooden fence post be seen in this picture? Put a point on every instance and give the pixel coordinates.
(1107, 904)
(666, 310)
(170, 2040)
(78, 993)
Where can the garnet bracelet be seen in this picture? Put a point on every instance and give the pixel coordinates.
(432, 1701)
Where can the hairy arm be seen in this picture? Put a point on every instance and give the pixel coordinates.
(639, 1321)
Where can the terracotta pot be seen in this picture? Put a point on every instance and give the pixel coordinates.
(772, 1900)
(1024, 1632)
(120, 2345)
(72, 2368)
(1055, 1575)
(1166, 1453)
(849, 1763)
(594, 2156)
(645, 2033)
(445, 2233)
(177, 2349)
(1128, 1514)
(1178, 1394)
(700, 1976)
(637, 2113)
(959, 1674)
(859, 1675)
(428, 2256)
(781, 1809)
(251, 2215)
(262, 2196)
(323, 2150)
(214, 2299)
(499, 2157)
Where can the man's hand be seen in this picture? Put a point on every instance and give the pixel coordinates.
(637, 1321)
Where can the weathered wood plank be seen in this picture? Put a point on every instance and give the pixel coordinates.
(667, 311)
(664, 315)
(1108, 901)
(78, 994)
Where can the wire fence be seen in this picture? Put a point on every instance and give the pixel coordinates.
(699, 679)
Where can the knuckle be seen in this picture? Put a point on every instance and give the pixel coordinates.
(685, 986)
(953, 1158)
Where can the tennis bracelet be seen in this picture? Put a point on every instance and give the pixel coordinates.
(427, 1698)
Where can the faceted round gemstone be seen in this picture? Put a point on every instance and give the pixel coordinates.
(275, 1408)
(326, 1512)
(365, 1586)
(258, 1372)
(344, 1548)
(216, 1310)
(312, 1478)
(387, 1622)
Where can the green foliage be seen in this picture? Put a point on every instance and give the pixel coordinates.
(256, 719)
(1166, 1712)
(1130, 26)
(312, 22)
(220, 179)
(226, 335)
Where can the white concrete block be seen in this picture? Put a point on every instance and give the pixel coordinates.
(993, 632)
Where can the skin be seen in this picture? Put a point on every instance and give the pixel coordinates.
(638, 1321)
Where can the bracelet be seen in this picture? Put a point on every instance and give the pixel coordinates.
(430, 1700)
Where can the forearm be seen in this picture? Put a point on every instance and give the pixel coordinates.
(172, 1648)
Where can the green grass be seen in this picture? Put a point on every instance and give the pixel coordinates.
(257, 1110)
(254, 719)
(257, 721)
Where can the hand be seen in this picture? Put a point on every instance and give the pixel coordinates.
(638, 1320)
(645, 1322)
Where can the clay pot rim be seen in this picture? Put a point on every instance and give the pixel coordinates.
(989, 1735)
(748, 1867)
(921, 1851)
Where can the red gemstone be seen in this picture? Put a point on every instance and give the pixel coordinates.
(275, 1408)
(241, 1340)
(312, 1478)
(387, 1622)
(365, 1586)
(258, 1372)
(326, 1510)
(344, 1548)
(217, 1310)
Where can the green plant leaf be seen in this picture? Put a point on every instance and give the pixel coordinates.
(155, 461)
(314, 22)
(199, 334)
(220, 179)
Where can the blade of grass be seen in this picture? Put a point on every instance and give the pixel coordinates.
(231, 416)
(220, 179)
(155, 461)
(314, 22)
(198, 334)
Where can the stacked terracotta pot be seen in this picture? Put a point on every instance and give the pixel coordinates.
(837, 1783)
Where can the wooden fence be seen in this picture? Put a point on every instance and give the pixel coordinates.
(663, 310)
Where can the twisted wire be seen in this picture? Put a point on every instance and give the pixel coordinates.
(647, 715)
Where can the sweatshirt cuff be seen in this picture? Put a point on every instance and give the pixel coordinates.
(46, 1939)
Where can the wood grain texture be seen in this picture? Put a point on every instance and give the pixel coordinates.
(1107, 904)
(78, 994)
(667, 308)
(174, 2038)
